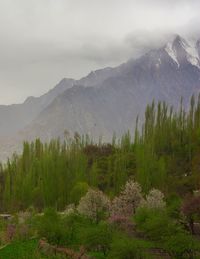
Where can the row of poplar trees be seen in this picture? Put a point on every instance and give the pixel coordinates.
(164, 153)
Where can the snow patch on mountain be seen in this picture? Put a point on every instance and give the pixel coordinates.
(190, 49)
(171, 52)
(192, 53)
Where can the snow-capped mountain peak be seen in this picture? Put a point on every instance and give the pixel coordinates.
(181, 51)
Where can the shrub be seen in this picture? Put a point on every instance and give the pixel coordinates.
(181, 245)
(174, 206)
(155, 224)
(74, 225)
(169, 234)
(126, 248)
(98, 238)
(78, 191)
(121, 223)
(50, 227)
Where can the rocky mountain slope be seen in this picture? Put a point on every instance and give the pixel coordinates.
(110, 99)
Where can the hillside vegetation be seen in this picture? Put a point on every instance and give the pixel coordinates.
(137, 197)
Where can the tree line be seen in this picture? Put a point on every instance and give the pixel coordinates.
(164, 153)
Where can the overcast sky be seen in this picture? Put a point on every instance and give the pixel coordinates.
(42, 41)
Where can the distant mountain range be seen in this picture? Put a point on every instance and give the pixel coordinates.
(106, 100)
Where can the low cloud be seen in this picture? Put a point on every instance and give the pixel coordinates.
(44, 41)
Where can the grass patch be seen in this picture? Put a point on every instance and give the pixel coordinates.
(23, 250)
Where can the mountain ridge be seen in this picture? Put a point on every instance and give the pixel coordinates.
(108, 100)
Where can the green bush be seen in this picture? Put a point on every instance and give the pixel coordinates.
(78, 191)
(50, 227)
(182, 245)
(98, 238)
(155, 224)
(127, 248)
(74, 226)
(168, 233)
(174, 206)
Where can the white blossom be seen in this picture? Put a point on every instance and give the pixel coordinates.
(128, 200)
(94, 204)
(154, 200)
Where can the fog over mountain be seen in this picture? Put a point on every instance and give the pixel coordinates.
(106, 100)
(44, 41)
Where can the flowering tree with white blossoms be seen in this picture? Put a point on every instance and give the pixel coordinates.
(94, 205)
(154, 200)
(128, 200)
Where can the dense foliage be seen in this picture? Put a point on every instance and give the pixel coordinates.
(125, 199)
(165, 154)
